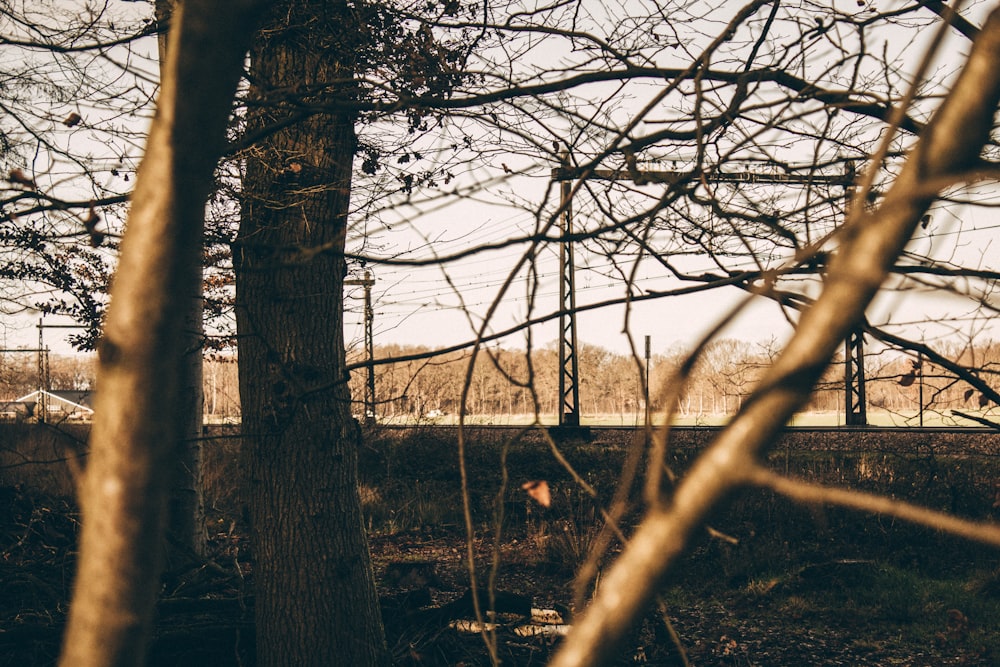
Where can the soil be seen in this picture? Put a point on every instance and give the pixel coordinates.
(727, 626)
(206, 614)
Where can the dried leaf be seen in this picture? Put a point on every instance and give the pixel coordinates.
(91, 220)
(907, 380)
(19, 177)
(969, 393)
(72, 120)
(539, 491)
(983, 400)
(90, 224)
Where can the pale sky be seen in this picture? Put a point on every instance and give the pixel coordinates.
(417, 306)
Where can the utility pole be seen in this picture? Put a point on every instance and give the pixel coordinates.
(920, 391)
(569, 369)
(645, 384)
(854, 371)
(855, 403)
(44, 378)
(42, 365)
(368, 282)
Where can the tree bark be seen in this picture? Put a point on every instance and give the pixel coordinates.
(186, 535)
(133, 440)
(316, 601)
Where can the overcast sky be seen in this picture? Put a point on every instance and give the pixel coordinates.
(419, 306)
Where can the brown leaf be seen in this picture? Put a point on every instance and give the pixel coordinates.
(19, 177)
(907, 380)
(72, 120)
(539, 491)
(969, 393)
(983, 400)
(92, 219)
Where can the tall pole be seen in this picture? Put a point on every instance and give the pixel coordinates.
(43, 397)
(920, 375)
(855, 402)
(367, 283)
(645, 383)
(369, 351)
(569, 388)
(854, 380)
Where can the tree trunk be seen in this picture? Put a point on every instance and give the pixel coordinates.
(315, 593)
(186, 510)
(123, 493)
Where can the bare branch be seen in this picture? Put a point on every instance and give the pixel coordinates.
(870, 243)
(815, 494)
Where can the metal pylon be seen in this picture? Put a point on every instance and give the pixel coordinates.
(368, 282)
(569, 414)
(569, 388)
(855, 405)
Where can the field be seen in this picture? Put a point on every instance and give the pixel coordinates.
(876, 418)
(791, 585)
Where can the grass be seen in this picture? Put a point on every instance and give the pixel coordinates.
(875, 417)
(420, 504)
(862, 607)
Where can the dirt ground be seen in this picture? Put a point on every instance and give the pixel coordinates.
(767, 624)
(206, 614)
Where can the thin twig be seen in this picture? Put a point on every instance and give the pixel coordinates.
(816, 494)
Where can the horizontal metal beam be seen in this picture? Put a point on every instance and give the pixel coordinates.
(670, 177)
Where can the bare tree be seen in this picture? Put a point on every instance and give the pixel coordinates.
(124, 493)
(948, 153)
(186, 532)
(625, 95)
(85, 70)
(314, 583)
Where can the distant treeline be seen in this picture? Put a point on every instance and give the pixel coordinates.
(514, 382)
(508, 382)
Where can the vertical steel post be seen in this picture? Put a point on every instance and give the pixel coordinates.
(855, 403)
(367, 283)
(855, 412)
(920, 395)
(42, 406)
(569, 390)
(369, 350)
(645, 383)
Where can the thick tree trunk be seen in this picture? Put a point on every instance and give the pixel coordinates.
(124, 490)
(316, 602)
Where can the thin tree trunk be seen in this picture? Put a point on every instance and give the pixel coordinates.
(186, 535)
(133, 440)
(315, 593)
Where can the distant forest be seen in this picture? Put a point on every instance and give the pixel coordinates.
(509, 384)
